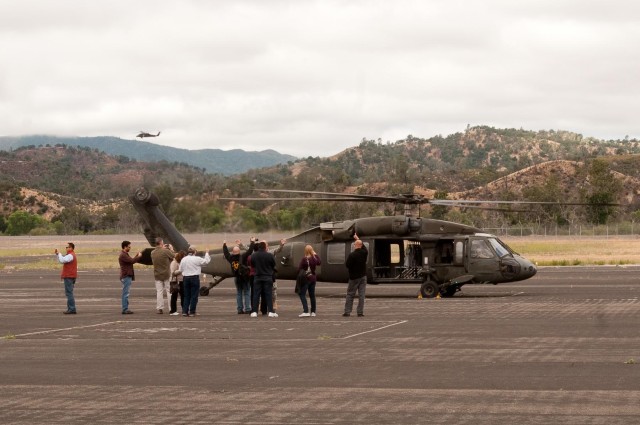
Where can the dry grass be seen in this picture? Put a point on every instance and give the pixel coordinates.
(101, 252)
(95, 252)
(578, 251)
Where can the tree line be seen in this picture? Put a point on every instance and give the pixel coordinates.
(189, 196)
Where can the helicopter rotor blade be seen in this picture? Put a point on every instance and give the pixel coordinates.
(403, 199)
(452, 202)
(346, 199)
(303, 199)
(479, 207)
(406, 199)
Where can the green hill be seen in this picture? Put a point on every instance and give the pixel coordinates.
(212, 160)
(480, 163)
(458, 162)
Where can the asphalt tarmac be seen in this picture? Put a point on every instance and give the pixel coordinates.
(561, 348)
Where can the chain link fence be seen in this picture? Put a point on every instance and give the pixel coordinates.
(581, 230)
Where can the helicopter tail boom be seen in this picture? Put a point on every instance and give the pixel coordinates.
(156, 223)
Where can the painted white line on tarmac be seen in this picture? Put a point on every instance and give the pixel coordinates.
(66, 329)
(374, 330)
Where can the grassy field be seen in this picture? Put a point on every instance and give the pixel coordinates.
(101, 252)
(578, 251)
(95, 251)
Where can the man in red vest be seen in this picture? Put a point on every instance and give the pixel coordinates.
(69, 274)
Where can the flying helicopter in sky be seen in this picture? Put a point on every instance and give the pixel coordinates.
(144, 134)
(440, 256)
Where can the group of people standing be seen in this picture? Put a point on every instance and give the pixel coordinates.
(182, 271)
(254, 277)
(254, 272)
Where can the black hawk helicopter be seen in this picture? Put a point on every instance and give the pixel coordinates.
(144, 134)
(440, 256)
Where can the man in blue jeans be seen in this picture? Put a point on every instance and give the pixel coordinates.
(126, 273)
(240, 271)
(191, 267)
(69, 275)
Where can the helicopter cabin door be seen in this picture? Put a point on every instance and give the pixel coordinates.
(395, 261)
(484, 264)
(448, 258)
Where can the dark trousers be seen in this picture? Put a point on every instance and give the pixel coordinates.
(191, 292)
(356, 285)
(261, 302)
(174, 298)
(311, 287)
(262, 287)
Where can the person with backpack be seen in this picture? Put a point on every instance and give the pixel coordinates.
(240, 270)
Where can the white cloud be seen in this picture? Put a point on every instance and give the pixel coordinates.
(315, 77)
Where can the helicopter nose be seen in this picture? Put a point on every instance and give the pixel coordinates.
(528, 269)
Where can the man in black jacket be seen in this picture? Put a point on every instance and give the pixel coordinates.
(264, 264)
(357, 265)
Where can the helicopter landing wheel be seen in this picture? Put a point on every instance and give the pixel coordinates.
(204, 291)
(429, 289)
(449, 291)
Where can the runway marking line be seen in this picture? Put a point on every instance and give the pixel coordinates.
(374, 330)
(67, 329)
(49, 331)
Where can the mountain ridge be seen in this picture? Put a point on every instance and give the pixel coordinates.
(480, 163)
(226, 162)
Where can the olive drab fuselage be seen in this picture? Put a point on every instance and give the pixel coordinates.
(440, 256)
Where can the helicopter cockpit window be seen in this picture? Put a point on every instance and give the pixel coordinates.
(480, 249)
(500, 249)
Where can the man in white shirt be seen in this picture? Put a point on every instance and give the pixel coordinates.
(191, 267)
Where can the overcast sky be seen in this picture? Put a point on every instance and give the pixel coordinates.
(315, 77)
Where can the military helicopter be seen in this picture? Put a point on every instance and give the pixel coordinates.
(440, 256)
(144, 134)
